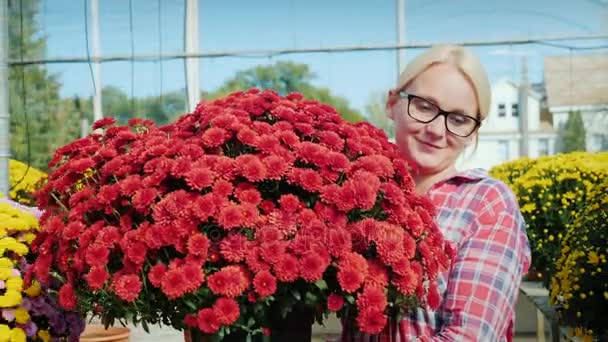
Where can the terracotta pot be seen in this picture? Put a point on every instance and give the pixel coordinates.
(98, 333)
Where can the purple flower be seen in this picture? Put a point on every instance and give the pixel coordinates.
(8, 314)
(31, 329)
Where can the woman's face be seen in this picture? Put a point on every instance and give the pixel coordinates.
(429, 147)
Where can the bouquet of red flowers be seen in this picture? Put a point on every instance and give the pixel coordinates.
(251, 207)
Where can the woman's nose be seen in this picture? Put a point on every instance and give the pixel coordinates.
(436, 127)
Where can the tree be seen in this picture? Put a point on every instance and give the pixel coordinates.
(40, 122)
(375, 112)
(573, 133)
(286, 77)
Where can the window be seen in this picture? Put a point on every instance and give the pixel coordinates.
(543, 147)
(503, 150)
(515, 110)
(502, 110)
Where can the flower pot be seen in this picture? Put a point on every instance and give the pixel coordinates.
(98, 333)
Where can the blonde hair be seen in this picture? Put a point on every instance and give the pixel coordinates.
(463, 59)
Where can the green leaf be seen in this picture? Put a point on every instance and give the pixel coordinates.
(321, 284)
(311, 299)
(190, 304)
(350, 299)
(296, 295)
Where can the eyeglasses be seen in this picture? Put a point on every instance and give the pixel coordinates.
(424, 111)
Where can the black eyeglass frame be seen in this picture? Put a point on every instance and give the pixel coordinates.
(405, 95)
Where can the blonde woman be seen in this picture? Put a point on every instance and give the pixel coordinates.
(441, 99)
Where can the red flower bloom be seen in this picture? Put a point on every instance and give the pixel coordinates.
(372, 298)
(350, 279)
(73, 230)
(234, 247)
(377, 274)
(276, 167)
(142, 199)
(290, 203)
(226, 310)
(97, 277)
(199, 178)
(174, 284)
(371, 321)
(156, 274)
(103, 122)
(264, 284)
(331, 140)
(247, 136)
(312, 266)
(97, 255)
(67, 298)
(214, 136)
(249, 196)
(229, 281)
(335, 302)
(203, 207)
(198, 245)
(127, 287)
(251, 167)
(287, 268)
(207, 321)
(193, 273)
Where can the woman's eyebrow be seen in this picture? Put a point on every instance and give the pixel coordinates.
(434, 101)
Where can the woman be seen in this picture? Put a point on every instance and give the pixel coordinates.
(442, 97)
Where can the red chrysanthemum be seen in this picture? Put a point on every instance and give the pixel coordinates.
(207, 321)
(214, 136)
(287, 268)
(174, 284)
(290, 203)
(335, 302)
(229, 281)
(97, 277)
(193, 273)
(226, 310)
(127, 287)
(264, 284)
(433, 298)
(234, 247)
(142, 199)
(156, 274)
(371, 321)
(97, 255)
(198, 245)
(312, 266)
(67, 298)
(372, 298)
(249, 196)
(73, 230)
(251, 167)
(199, 178)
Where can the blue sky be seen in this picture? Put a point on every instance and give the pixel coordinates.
(274, 24)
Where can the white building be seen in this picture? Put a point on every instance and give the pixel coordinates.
(579, 83)
(499, 135)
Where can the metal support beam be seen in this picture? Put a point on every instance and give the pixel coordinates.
(5, 150)
(400, 19)
(191, 65)
(97, 109)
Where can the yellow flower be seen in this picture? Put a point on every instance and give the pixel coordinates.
(15, 284)
(18, 335)
(44, 335)
(10, 298)
(593, 258)
(5, 332)
(34, 290)
(21, 315)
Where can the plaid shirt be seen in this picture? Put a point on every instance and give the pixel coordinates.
(480, 217)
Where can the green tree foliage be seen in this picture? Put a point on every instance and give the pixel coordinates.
(375, 112)
(40, 122)
(286, 77)
(573, 134)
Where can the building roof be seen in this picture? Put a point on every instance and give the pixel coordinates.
(515, 85)
(576, 80)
